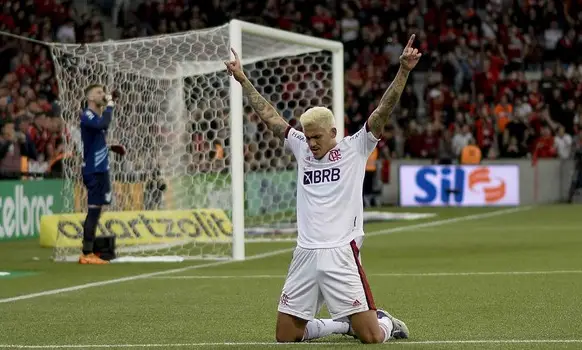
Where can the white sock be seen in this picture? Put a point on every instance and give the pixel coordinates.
(323, 327)
(386, 325)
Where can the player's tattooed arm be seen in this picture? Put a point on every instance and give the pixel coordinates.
(381, 115)
(264, 109)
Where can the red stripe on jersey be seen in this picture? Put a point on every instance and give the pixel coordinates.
(287, 131)
(365, 284)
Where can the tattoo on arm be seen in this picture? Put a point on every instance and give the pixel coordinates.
(265, 110)
(381, 114)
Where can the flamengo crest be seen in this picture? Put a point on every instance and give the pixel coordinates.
(334, 155)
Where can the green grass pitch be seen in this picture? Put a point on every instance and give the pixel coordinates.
(469, 278)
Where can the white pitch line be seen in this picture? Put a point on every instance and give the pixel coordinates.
(478, 273)
(425, 274)
(448, 221)
(515, 228)
(137, 277)
(255, 257)
(193, 345)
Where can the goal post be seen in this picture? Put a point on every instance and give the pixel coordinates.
(228, 181)
(236, 29)
(237, 142)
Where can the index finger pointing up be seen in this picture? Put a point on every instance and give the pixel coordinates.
(410, 41)
(235, 54)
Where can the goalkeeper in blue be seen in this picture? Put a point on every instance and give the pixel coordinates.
(95, 120)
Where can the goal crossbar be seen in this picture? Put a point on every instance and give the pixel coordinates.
(286, 36)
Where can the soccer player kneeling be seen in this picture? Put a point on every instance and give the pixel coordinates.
(326, 266)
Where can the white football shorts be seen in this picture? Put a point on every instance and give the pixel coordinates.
(332, 276)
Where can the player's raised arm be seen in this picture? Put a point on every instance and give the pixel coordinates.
(262, 107)
(380, 116)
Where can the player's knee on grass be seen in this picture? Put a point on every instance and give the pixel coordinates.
(289, 328)
(366, 328)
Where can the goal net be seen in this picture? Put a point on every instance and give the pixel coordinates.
(202, 176)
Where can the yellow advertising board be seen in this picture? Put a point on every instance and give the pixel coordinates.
(140, 227)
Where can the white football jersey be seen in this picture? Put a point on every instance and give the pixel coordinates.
(329, 191)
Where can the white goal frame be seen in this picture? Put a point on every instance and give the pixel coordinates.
(236, 28)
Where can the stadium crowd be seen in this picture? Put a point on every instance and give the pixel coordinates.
(30, 124)
(501, 74)
(481, 60)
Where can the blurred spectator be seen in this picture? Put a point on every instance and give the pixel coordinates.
(430, 144)
(13, 145)
(544, 145)
(462, 138)
(369, 178)
(513, 149)
(28, 86)
(563, 143)
(517, 132)
(349, 27)
(446, 154)
(66, 32)
(38, 132)
(577, 143)
(21, 126)
(414, 141)
(485, 131)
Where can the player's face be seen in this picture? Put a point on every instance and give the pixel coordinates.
(319, 139)
(98, 96)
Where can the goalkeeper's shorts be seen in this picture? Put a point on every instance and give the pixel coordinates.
(98, 188)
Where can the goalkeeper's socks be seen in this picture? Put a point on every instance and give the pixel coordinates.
(319, 328)
(89, 229)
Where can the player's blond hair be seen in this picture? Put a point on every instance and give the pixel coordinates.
(318, 116)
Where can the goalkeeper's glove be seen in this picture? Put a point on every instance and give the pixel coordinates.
(109, 100)
(118, 149)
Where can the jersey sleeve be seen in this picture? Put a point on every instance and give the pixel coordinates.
(90, 120)
(294, 140)
(363, 141)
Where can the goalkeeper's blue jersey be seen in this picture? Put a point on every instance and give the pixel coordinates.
(94, 136)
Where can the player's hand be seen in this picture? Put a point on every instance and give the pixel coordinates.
(109, 100)
(118, 149)
(234, 68)
(410, 56)
(115, 95)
